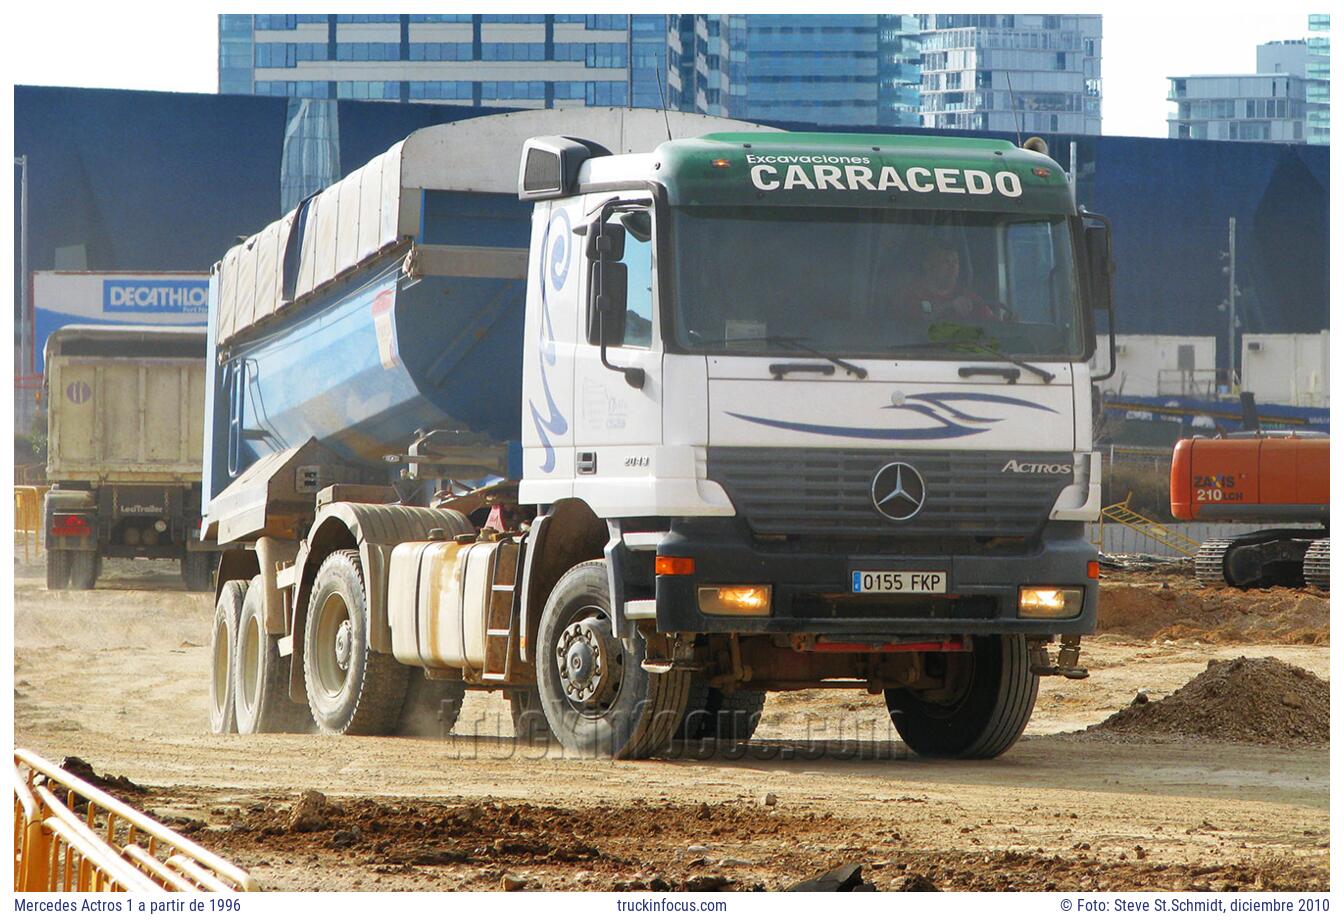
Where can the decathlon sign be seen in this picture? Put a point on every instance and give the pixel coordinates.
(146, 295)
(820, 172)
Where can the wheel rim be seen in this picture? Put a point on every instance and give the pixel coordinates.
(589, 663)
(219, 687)
(943, 703)
(250, 664)
(333, 647)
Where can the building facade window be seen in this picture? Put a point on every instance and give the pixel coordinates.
(440, 89)
(513, 51)
(368, 51)
(606, 22)
(440, 51)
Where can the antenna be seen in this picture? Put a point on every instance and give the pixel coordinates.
(663, 99)
(1012, 104)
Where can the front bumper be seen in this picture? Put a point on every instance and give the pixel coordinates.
(811, 585)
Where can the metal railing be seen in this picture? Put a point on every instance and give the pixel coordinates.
(1172, 539)
(28, 517)
(72, 836)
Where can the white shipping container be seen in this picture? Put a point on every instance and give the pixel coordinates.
(1288, 368)
(1161, 365)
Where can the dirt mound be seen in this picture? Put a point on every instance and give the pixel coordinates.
(1164, 610)
(1259, 700)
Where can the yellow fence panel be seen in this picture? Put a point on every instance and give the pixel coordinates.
(28, 517)
(72, 836)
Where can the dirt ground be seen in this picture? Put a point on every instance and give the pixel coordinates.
(118, 676)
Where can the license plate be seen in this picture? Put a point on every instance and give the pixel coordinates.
(900, 583)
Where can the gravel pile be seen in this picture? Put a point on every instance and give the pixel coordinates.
(1257, 700)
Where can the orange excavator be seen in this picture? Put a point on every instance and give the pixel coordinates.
(1254, 477)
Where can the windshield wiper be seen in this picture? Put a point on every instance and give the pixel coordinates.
(787, 341)
(1041, 372)
(952, 344)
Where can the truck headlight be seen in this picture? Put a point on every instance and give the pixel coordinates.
(1047, 603)
(735, 600)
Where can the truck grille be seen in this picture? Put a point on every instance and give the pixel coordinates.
(822, 492)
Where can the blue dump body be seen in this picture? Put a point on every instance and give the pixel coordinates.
(377, 356)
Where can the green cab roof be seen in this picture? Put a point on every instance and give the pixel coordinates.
(861, 170)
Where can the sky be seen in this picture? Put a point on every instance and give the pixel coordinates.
(152, 46)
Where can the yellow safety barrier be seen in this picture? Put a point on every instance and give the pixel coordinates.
(28, 516)
(110, 847)
(1121, 513)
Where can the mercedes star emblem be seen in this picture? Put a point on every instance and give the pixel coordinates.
(898, 491)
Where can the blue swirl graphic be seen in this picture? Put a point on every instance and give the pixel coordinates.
(949, 419)
(948, 430)
(559, 254)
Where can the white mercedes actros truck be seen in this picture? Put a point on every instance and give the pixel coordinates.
(719, 415)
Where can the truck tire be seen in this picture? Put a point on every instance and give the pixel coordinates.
(260, 676)
(529, 719)
(83, 569)
(198, 570)
(352, 690)
(58, 569)
(712, 714)
(986, 712)
(598, 699)
(223, 639)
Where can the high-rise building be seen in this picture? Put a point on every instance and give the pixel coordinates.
(1318, 79)
(1268, 105)
(1024, 73)
(519, 61)
(706, 61)
(840, 70)
(851, 69)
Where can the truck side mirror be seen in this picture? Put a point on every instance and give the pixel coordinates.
(607, 281)
(1100, 278)
(606, 242)
(606, 321)
(1100, 268)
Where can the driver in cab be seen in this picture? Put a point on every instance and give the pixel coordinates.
(937, 295)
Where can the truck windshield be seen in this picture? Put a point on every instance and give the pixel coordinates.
(875, 282)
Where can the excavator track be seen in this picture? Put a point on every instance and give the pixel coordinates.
(1316, 565)
(1209, 563)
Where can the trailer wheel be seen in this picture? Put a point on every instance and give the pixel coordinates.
(983, 709)
(597, 697)
(58, 569)
(198, 570)
(223, 639)
(260, 677)
(712, 714)
(83, 569)
(352, 690)
(529, 719)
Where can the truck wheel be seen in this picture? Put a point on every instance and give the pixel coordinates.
(223, 639)
(529, 719)
(260, 677)
(597, 697)
(713, 714)
(58, 569)
(198, 571)
(352, 690)
(982, 710)
(83, 569)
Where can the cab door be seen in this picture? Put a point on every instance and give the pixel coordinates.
(617, 426)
